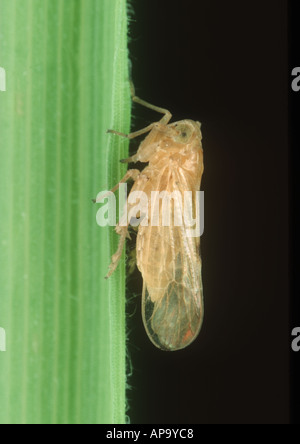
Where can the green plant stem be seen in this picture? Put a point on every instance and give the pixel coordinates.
(67, 83)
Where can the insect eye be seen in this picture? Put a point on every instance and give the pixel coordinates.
(184, 133)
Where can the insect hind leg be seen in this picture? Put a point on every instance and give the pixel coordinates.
(123, 231)
(120, 229)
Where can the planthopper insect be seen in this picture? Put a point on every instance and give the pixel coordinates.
(167, 257)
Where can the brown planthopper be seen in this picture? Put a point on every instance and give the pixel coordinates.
(168, 259)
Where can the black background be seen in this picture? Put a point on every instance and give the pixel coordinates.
(225, 64)
(294, 142)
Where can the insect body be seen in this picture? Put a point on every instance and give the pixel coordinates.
(168, 259)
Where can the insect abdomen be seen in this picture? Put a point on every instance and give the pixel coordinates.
(173, 321)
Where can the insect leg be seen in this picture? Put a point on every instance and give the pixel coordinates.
(131, 174)
(164, 120)
(122, 227)
(117, 256)
(121, 230)
(167, 115)
(135, 133)
(132, 136)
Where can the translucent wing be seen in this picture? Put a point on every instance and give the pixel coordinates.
(170, 264)
(173, 313)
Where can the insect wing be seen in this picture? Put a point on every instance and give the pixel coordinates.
(173, 320)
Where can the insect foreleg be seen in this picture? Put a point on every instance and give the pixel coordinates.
(164, 120)
(167, 115)
(135, 133)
